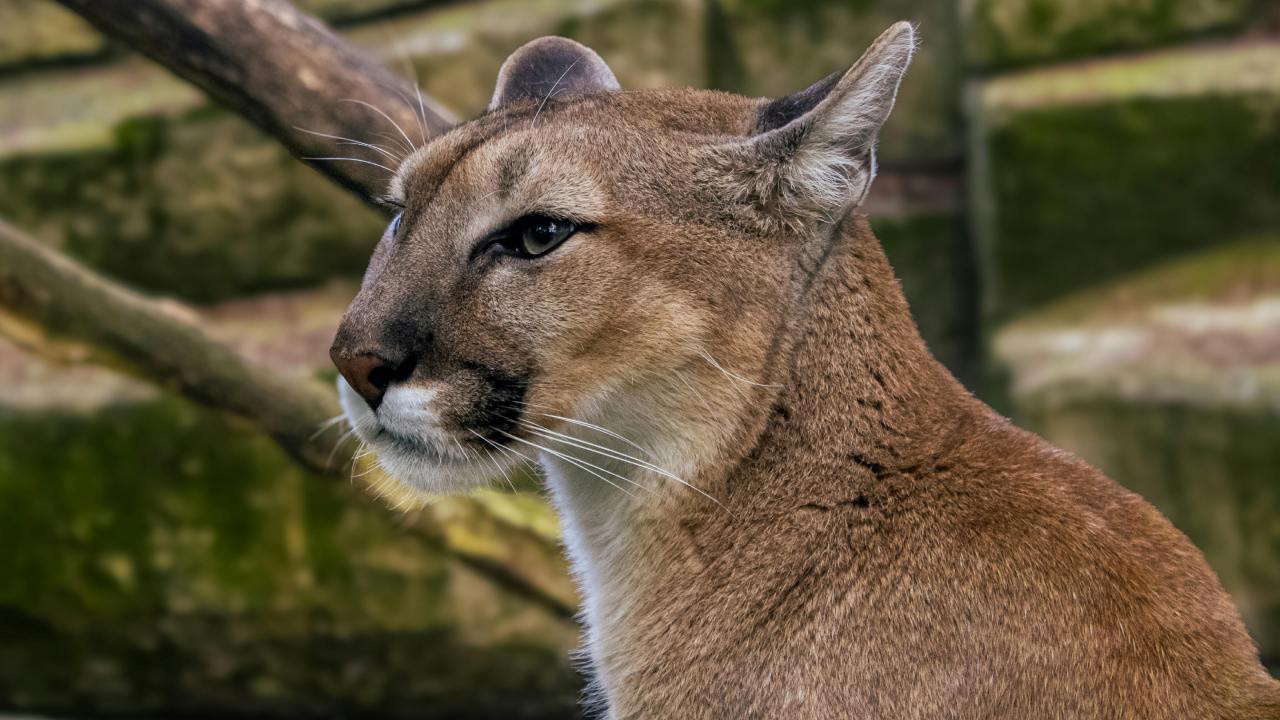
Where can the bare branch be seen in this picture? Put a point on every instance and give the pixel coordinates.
(45, 294)
(283, 70)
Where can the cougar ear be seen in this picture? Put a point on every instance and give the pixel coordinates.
(551, 67)
(813, 154)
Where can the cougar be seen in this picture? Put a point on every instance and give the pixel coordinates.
(776, 502)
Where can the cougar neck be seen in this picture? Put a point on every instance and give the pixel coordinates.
(858, 384)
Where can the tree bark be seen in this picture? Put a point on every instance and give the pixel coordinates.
(287, 73)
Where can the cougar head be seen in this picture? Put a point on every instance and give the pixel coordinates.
(583, 259)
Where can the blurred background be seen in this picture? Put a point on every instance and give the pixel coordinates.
(1082, 198)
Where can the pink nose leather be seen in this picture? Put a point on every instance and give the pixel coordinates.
(367, 374)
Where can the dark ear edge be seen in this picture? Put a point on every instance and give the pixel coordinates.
(779, 112)
(551, 67)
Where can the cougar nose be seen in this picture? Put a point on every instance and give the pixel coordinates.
(369, 374)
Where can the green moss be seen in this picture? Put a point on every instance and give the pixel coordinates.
(1212, 471)
(1083, 194)
(1004, 33)
(163, 489)
(166, 561)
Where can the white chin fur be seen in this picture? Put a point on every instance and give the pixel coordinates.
(411, 446)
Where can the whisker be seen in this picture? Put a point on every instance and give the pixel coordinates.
(609, 452)
(552, 91)
(422, 110)
(358, 160)
(533, 467)
(336, 419)
(702, 399)
(418, 119)
(355, 462)
(579, 463)
(417, 89)
(396, 141)
(378, 149)
(342, 439)
(352, 141)
(598, 449)
(529, 463)
(589, 426)
(499, 468)
(615, 455)
(707, 356)
(407, 64)
(383, 114)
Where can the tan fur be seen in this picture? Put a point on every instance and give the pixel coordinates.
(863, 538)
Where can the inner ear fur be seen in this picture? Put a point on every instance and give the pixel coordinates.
(551, 67)
(813, 155)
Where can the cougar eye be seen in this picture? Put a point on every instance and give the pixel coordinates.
(529, 237)
(394, 228)
(534, 235)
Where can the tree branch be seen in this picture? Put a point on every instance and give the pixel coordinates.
(46, 295)
(283, 70)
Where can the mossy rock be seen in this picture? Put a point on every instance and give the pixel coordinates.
(173, 563)
(1006, 33)
(1238, 69)
(1082, 176)
(1222, 274)
(1200, 330)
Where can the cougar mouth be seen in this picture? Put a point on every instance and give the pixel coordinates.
(415, 447)
(389, 440)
